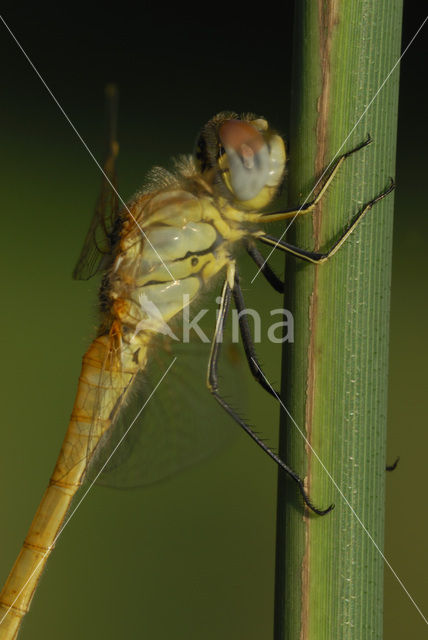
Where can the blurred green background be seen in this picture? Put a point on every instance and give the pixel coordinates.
(191, 557)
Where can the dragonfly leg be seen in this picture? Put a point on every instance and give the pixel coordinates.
(247, 340)
(264, 267)
(316, 257)
(393, 466)
(213, 386)
(326, 182)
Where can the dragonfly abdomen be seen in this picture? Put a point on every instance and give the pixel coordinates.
(108, 371)
(104, 378)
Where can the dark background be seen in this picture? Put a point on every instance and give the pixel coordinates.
(192, 557)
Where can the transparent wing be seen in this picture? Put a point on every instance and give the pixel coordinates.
(105, 224)
(102, 392)
(169, 426)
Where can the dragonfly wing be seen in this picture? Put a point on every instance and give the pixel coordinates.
(105, 224)
(179, 425)
(102, 392)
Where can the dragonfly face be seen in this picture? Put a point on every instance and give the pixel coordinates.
(245, 158)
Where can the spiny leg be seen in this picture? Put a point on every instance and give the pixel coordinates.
(309, 206)
(247, 341)
(264, 267)
(212, 383)
(316, 257)
(393, 466)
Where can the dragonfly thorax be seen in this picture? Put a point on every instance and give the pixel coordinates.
(180, 232)
(163, 263)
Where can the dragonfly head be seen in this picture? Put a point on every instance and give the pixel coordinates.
(246, 158)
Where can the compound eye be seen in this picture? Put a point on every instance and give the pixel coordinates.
(248, 158)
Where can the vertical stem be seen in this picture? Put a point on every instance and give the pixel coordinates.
(329, 574)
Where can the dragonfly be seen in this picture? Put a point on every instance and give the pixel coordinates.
(163, 251)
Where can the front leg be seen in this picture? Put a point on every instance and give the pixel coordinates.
(317, 257)
(326, 182)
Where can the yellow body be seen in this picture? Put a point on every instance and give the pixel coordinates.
(173, 239)
(193, 233)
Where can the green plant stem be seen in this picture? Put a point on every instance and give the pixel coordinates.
(329, 573)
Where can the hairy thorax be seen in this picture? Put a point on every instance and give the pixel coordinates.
(172, 244)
